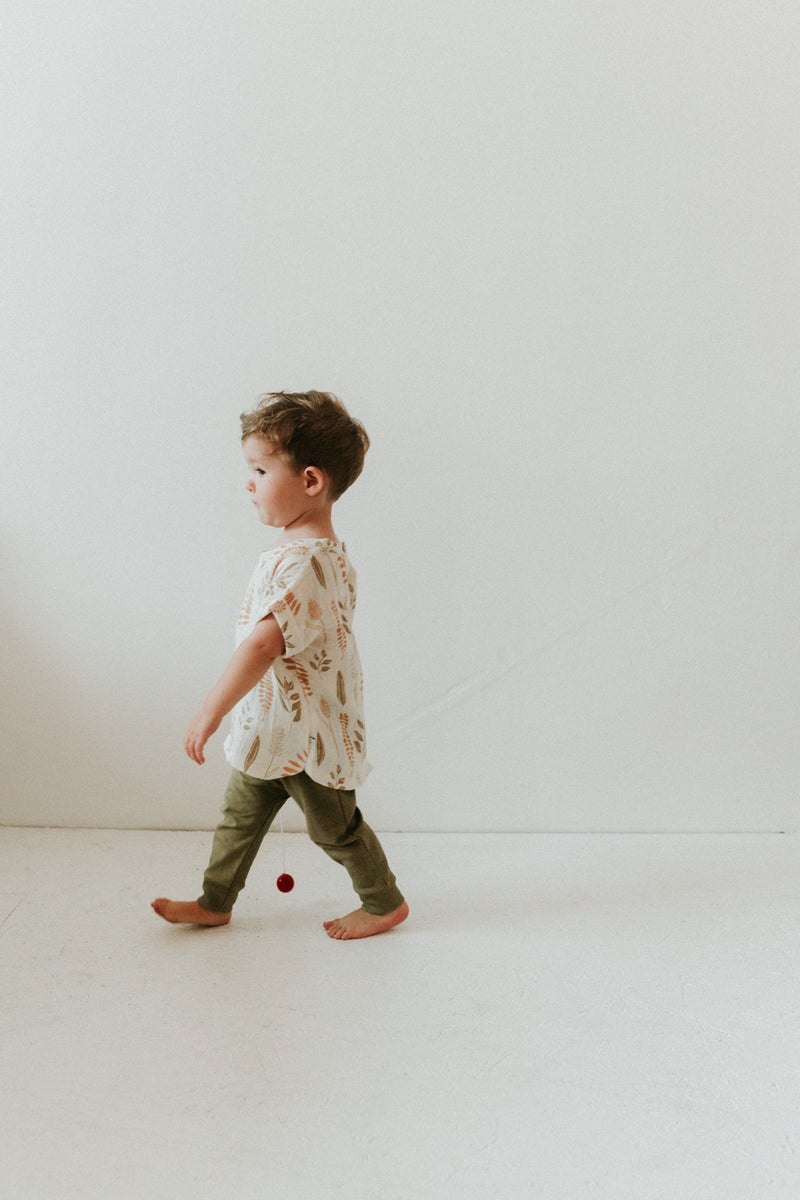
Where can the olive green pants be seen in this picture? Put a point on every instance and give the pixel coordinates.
(333, 821)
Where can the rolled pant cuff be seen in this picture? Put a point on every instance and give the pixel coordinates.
(381, 903)
(215, 901)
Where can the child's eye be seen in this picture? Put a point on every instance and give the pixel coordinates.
(260, 471)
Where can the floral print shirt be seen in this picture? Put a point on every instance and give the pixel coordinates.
(306, 713)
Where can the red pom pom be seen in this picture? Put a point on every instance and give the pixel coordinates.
(285, 883)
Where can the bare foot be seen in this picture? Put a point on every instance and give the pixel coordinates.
(361, 924)
(188, 912)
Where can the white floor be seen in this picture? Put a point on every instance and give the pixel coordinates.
(563, 1017)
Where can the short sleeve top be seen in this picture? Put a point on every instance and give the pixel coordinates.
(307, 712)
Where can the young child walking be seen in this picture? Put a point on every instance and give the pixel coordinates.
(294, 683)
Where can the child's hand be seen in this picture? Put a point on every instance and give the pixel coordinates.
(199, 731)
(253, 658)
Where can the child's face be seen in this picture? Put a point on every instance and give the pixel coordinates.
(279, 493)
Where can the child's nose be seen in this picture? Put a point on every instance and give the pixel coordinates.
(250, 485)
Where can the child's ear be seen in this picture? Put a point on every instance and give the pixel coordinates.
(315, 480)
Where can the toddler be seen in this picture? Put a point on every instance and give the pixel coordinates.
(294, 682)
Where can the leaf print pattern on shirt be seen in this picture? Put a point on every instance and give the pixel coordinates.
(342, 565)
(344, 618)
(252, 754)
(295, 766)
(266, 691)
(320, 662)
(317, 569)
(344, 721)
(341, 636)
(290, 698)
(307, 711)
(294, 664)
(336, 779)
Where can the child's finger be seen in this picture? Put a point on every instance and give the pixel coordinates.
(194, 749)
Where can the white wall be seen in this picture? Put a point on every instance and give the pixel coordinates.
(547, 252)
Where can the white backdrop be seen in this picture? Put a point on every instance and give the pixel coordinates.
(547, 252)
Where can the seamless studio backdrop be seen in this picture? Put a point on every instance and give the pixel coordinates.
(547, 252)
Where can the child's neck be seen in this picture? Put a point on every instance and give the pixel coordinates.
(315, 524)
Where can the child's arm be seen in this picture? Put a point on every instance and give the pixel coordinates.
(252, 660)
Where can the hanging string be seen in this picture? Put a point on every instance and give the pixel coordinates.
(285, 883)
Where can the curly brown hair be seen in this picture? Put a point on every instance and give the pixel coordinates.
(311, 429)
